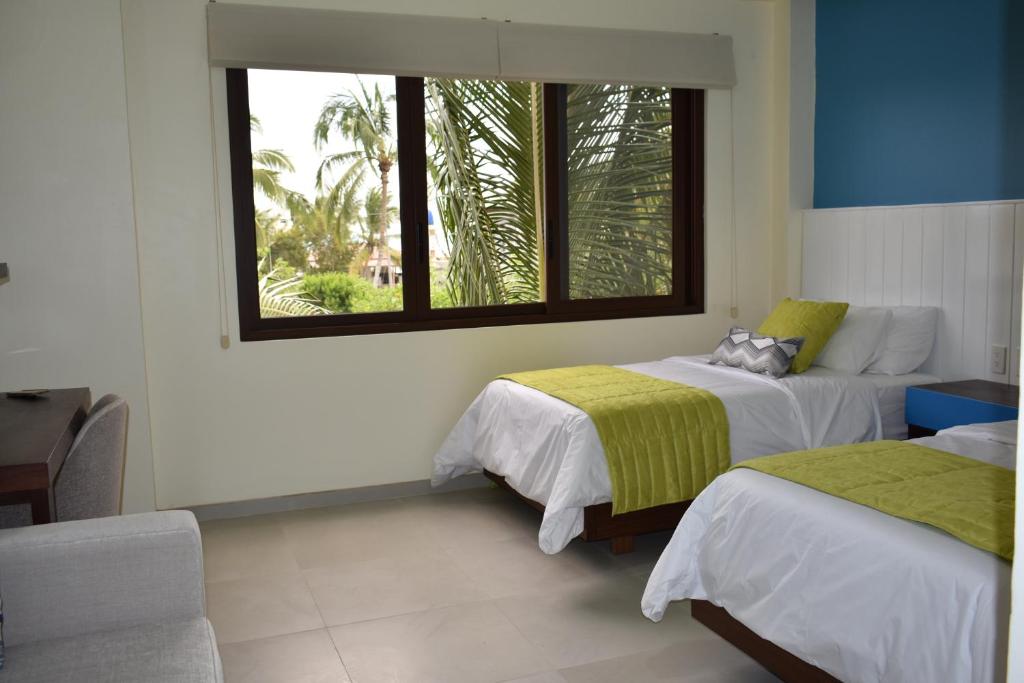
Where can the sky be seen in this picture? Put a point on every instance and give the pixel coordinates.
(288, 104)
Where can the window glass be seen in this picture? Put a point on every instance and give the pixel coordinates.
(325, 190)
(619, 141)
(495, 174)
(485, 192)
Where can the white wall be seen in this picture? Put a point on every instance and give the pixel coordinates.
(70, 314)
(273, 418)
(801, 124)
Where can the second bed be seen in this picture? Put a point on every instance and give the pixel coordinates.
(800, 578)
(549, 452)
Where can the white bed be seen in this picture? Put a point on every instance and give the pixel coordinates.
(853, 591)
(892, 396)
(549, 450)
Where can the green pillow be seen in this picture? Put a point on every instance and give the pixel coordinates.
(815, 321)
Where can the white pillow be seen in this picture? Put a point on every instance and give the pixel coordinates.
(908, 341)
(858, 341)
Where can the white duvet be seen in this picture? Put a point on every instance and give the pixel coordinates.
(549, 450)
(858, 593)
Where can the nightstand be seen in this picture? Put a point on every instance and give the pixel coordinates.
(932, 407)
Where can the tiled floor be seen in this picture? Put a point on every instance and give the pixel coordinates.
(445, 588)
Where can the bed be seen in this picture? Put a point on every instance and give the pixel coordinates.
(819, 588)
(549, 453)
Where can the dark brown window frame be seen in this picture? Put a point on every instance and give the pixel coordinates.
(687, 297)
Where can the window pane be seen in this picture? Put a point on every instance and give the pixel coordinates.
(620, 187)
(325, 183)
(485, 184)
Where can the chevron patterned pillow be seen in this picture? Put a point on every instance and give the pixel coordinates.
(757, 353)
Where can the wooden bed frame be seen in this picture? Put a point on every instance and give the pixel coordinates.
(780, 662)
(599, 524)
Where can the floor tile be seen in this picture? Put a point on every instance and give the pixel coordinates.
(260, 607)
(307, 657)
(595, 620)
(447, 587)
(703, 658)
(546, 677)
(639, 563)
(324, 536)
(472, 643)
(463, 519)
(515, 566)
(247, 546)
(406, 580)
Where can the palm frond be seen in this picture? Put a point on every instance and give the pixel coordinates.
(273, 159)
(284, 298)
(485, 148)
(620, 187)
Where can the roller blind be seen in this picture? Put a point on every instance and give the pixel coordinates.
(254, 36)
(564, 54)
(257, 36)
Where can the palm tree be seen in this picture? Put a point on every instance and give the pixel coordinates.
(368, 219)
(283, 297)
(363, 118)
(485, 163)
(267, 224)
(267, 165)
(486, 145)
(620, 188)
(324, 228)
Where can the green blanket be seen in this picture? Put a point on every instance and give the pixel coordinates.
(664, 441)
(969, 499)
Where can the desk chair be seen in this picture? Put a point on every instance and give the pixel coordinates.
(90, 482)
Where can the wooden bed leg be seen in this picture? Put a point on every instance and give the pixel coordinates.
(622, 545)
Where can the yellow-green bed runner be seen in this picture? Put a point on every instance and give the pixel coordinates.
(967, 498)
(664, 441)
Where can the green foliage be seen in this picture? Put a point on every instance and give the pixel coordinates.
(289, 248)
(336, 291)
(620, 190)
(440, 295)
(372, 299)
(486, 142)
(325, 232)
(267, 166)
(345, 293)
(363, 118)
(267, 224)
(284, 298)
(485, 161)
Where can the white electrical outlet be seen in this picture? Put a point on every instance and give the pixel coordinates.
(997, 363)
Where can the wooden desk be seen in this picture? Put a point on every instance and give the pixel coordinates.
(35, 435)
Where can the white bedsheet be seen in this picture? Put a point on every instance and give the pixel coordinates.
(549, 450)
(892, 396)
(858, 593)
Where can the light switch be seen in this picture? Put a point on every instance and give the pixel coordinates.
(998, 361)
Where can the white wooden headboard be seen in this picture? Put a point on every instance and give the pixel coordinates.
(967, 259)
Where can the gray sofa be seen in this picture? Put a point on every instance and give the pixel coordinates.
(111, 599)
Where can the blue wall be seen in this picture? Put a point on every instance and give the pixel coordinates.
(919, 101)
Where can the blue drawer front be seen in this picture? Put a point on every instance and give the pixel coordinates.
(933, 410)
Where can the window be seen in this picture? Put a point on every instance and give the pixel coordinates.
(619, 161)
(486, 181)
(368, 204)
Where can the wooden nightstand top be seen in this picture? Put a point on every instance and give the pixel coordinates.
(978, 390)
(931, 407)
